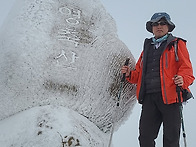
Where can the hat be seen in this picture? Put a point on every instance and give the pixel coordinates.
(158, 16)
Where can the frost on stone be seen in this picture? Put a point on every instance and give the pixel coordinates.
(64, 53)
(50, 126)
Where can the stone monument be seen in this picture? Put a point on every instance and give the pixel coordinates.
(62, 55)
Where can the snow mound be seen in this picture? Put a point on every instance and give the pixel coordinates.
(50, 126)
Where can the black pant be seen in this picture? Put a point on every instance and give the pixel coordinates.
(154, 113)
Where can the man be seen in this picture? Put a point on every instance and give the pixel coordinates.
(160, 67)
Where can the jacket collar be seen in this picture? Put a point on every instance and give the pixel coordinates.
(170, 39)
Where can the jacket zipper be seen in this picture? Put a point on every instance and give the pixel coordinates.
(141, 62)
(164, 89)
(166, 60)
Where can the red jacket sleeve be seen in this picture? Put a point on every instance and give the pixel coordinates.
(185, 66)
(134, 74)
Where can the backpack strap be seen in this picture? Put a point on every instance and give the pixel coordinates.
(176, 48)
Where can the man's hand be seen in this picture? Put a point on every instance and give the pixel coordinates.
(178, 80)
(125, 69)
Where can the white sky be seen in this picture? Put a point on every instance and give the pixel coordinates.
(131, 17)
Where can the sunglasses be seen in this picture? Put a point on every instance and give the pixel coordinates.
(162, 23)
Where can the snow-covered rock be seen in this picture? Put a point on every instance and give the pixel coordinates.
(64, 53)
(50, 126)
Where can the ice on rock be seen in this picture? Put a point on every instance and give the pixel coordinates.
(64, 53)
(50, 126)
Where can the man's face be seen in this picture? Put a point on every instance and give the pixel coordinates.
(160, 28)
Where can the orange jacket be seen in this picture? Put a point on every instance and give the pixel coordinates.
(169, 67)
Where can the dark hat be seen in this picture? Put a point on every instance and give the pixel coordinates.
(158, 16)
